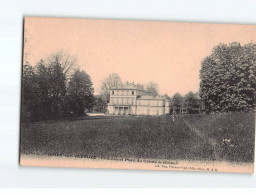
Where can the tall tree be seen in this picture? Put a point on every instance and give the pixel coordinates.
(58, 88)
(30, 94)
(228, 78)
(50, 92)
(152, 88)
(108, 82)
(52, 85)
(80, 93)
(177, 100)
(67, 62)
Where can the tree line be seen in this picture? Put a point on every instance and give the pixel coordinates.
(227, 82)
(55, 88)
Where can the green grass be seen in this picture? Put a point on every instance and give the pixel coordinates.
(219, 137)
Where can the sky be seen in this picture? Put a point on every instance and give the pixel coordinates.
(167, 53)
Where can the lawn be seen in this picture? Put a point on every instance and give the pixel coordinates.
(215, 137)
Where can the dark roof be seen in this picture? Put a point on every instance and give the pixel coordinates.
(127, 86)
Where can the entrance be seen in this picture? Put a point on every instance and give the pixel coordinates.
(121, 110)
(126, 111)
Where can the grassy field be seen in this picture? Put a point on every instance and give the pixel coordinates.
(218, 137)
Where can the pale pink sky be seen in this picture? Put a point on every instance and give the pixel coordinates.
(167, 53)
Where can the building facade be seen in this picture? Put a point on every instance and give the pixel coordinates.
(131, 99)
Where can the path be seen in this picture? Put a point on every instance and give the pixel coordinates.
(204, 137)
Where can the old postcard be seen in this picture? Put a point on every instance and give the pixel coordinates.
(138, 95)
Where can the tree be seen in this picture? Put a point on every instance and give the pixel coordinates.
(52, 76)
(108, 82)
(57, 89)
(52, 89)
(192, 103)
(99, 104)
(177, 101)
(152, 88)
(28, 80)
(80, 93)
(29, 92)
(166, 96)
(67, 62)
(228, 78)
(50, 92)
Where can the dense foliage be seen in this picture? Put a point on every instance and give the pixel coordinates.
(80, 93)
(51, 91)
(228, 78)
(177, 100)
(192, 103)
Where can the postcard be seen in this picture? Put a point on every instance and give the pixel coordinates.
(129, 94)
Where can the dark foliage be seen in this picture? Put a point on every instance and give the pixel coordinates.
(228, 78)
(80, 93)
(192, 103)
(47, 93)
(99, 104)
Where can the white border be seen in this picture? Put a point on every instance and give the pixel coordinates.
(11, 22)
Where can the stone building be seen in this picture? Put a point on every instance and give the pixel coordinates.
(131, 99)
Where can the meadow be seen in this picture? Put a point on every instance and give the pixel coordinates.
(214, 137)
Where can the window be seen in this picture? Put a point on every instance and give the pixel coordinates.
(113, 93)
(132, 92)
